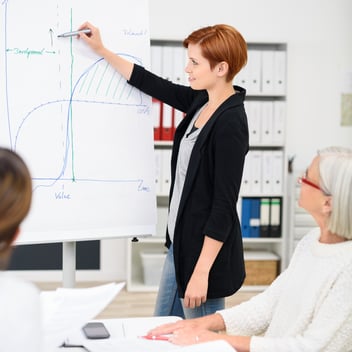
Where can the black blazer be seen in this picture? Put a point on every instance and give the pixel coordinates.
(212, 184)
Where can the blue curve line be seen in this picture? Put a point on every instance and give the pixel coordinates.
(69, 110)
(71, 100)
(13, 146)
(57, 102)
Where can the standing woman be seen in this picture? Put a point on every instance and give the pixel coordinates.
(20, 328)
(205, 258)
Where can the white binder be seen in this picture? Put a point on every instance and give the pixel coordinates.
(267, 111)
(267, 172)
(254, 71)
(242, 77)
(268, 71)
(256, 172)
(279, 122)
(278, 160)
(246, 175)
(253, 110)
(280, 72)
(179, 76)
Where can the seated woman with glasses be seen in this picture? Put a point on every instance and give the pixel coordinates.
(309, 306)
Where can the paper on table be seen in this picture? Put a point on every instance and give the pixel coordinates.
(218, 346)
(134, 327)
(125, 336)
(68, 309)
(129, 345)
(138, 345)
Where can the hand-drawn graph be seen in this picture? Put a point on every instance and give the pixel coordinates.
(85, 133)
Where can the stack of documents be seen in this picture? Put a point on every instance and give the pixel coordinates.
(68, 309)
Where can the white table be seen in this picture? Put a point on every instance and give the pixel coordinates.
(125, 336)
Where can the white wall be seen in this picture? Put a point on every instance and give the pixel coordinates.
(319, 38)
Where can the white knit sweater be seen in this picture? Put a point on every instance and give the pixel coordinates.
(307, 308)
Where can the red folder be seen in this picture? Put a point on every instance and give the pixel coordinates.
(157, 118)
(167, 123)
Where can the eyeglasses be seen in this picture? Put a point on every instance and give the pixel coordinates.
(303, 179)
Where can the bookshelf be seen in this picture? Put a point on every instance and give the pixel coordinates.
(266, 96)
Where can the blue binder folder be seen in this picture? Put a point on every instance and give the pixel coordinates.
(245, 217)
(254, 221)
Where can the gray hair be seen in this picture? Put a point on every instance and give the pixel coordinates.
(335, 168)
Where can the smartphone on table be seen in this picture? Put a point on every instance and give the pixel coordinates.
(95, 330)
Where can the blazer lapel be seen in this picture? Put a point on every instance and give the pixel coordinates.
(196, 157)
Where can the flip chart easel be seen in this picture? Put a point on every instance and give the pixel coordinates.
(69, 264)
(84, 132)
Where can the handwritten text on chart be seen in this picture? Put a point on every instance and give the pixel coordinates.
(29, 52)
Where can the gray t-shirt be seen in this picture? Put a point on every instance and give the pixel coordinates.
(186, 147)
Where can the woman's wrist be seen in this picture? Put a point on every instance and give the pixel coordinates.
(213, 322)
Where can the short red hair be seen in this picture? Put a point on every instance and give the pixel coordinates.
(221, 43)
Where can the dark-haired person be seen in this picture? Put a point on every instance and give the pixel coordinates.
(20, 328)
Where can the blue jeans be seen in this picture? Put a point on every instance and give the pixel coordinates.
(209, 307)
(168, 301)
